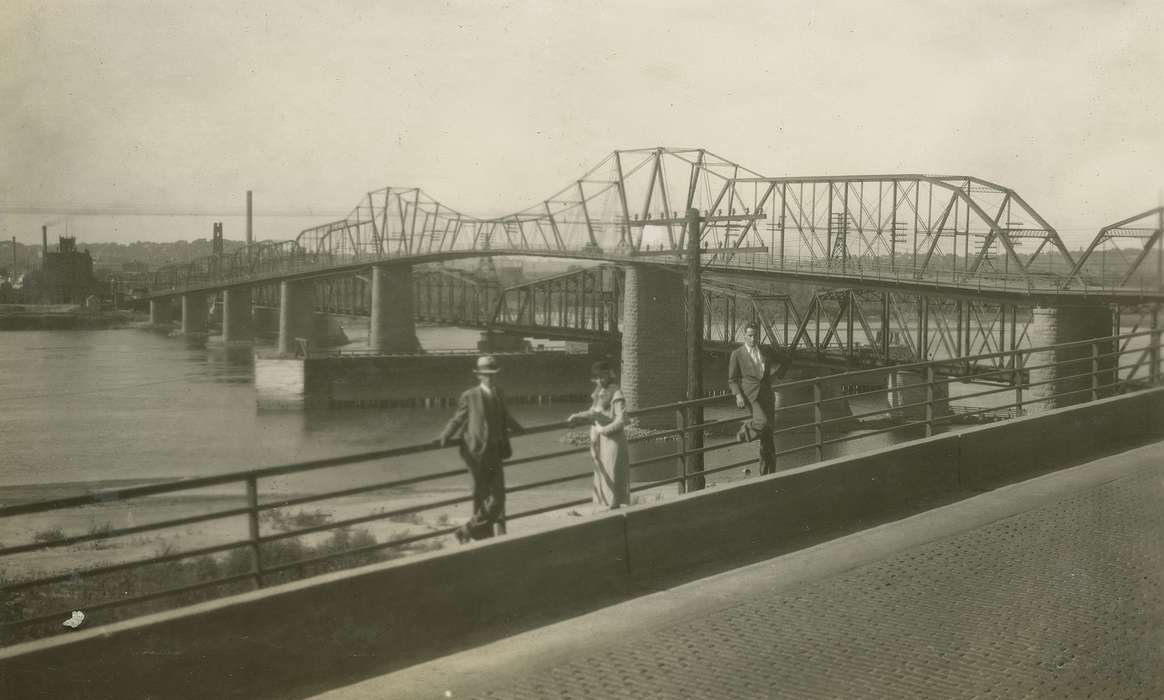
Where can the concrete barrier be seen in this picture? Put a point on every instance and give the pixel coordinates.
(277, 641)
(775, 510)
(992, 455)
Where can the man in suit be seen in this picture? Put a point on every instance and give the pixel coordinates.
(483, 423)
(750, 372)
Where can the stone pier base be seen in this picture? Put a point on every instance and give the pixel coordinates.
(654, 349)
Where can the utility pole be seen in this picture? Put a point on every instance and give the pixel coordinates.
(693, 251)
(694, 349)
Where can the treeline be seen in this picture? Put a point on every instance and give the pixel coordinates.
(22, 258)
(155, 254)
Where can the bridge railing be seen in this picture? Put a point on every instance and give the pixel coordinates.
(690, 443)
(867, 269)
(206, 273)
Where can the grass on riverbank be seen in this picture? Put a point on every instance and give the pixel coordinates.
(78, 593)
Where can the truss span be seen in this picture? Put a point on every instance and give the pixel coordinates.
(954, 231)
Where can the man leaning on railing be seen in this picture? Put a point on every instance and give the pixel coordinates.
(750, 372)
(484, 423)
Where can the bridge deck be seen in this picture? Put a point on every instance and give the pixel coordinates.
(1049, 588)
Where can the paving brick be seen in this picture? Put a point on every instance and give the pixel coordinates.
(1063, 601)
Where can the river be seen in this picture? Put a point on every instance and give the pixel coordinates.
(86, 407)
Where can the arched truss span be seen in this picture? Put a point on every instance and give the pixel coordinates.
(634, 200)
(949, 228)
(1121, 253)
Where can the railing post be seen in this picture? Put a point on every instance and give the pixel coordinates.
(817, 420)
(1154, 353)
(1094, 372)
(1094, 347)
(681, 421)
(1017, 380)
(693, 443)
(253, 522)
(929, 375)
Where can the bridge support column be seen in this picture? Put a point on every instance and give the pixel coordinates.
(161, 312)
(393, 325)
(296, 315)
(496, 341)
(654, 351)
(908, 394)
(796, 405)
(237, 324)
(194, 314)
(1070, 378)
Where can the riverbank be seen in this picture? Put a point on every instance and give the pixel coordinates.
(99, 519)
(53, 317)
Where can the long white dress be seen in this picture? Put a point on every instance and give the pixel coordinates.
(611, 457)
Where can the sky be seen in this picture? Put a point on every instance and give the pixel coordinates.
(176, 108)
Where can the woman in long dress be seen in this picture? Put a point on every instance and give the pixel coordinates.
(607, 418)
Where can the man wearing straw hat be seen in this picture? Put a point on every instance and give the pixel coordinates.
(483, 423)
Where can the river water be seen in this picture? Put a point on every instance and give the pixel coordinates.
(87, 407)
(82, 406)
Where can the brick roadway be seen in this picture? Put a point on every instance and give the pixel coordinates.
(1056, 589)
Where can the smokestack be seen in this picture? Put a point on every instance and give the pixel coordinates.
(44, 242)
(250, 235)
(14, 255)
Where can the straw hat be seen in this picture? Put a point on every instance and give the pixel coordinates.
(486, 364)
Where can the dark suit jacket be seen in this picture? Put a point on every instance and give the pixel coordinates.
(475, 414)
(747, 378)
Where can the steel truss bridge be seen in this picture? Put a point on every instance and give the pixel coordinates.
(948, 233)
(831, 327)
(949, 265)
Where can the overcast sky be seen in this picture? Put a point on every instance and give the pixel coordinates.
(178, 106)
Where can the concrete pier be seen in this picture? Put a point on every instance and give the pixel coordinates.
(392, 328)
(237, 323)
(908, 394)
(1070, 381)
(296, 315)
(264, 320)
(654, 350)
(420, 381)
(161, 312)
(795, 405)
(194, 314)
(495, 341)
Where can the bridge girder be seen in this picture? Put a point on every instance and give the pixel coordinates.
(955, 231)
(1147, 228)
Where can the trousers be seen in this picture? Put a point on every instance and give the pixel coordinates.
(488, 492)
(760, 427)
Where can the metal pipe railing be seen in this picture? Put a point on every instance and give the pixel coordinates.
(1091, 370)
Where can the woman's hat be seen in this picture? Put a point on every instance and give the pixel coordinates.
(486, 364)
(600, 367)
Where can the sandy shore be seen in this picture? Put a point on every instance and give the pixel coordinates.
(95, 519)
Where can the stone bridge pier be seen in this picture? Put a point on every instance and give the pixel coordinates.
(654, 346)
(237, 320)
(1069, 378)
(296, 315)
(392, 328)
(195, 314)
(161, 312)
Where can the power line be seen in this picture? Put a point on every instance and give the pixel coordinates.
(127, 211)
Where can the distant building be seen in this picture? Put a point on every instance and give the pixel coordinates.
(65, 277)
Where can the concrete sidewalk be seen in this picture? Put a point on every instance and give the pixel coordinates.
(1052, 587)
